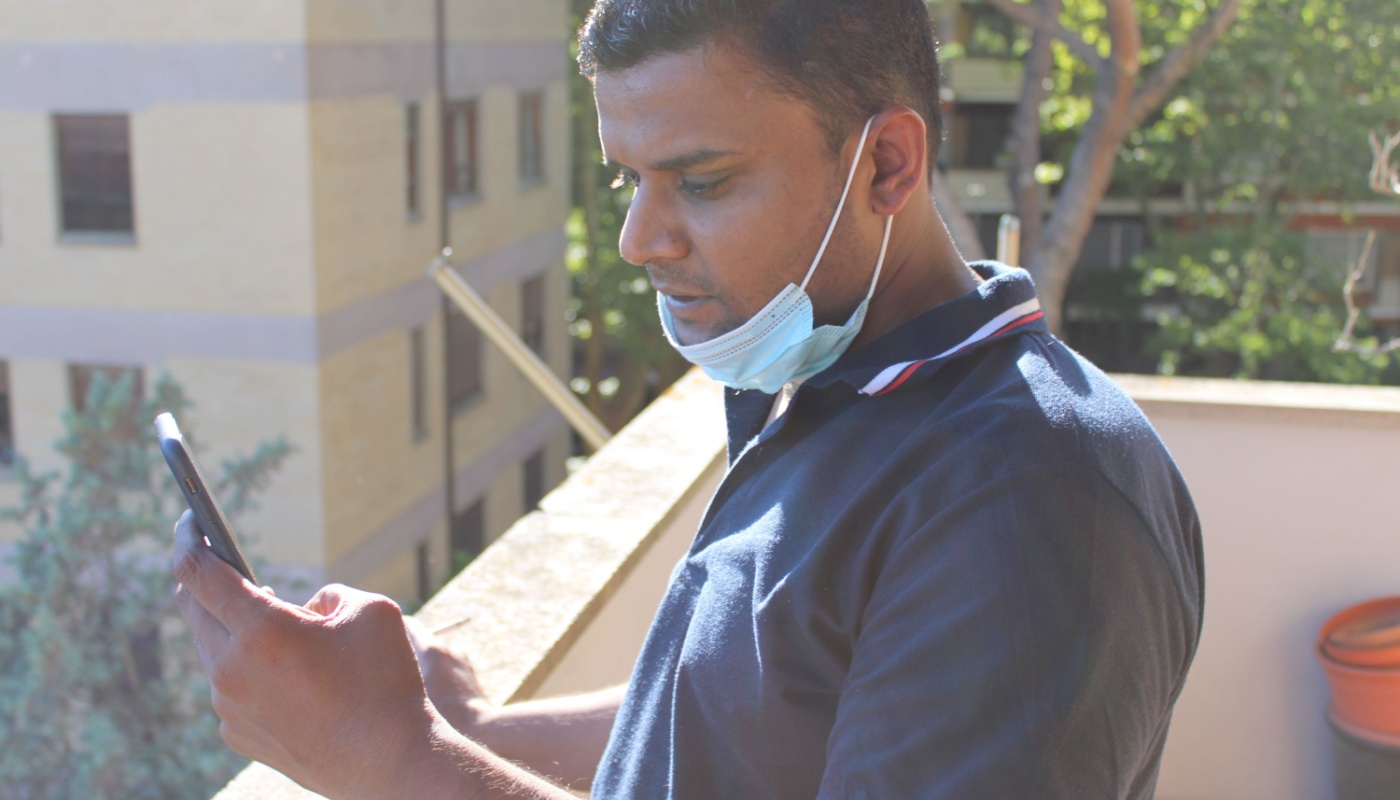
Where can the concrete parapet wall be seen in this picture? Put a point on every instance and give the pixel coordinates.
(552, 599)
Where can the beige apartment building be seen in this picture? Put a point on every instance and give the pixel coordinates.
(246, 196)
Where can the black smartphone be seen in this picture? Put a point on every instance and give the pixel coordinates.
(192, 485)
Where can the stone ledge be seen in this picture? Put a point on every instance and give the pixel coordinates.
(534, 591)
(1274, 400)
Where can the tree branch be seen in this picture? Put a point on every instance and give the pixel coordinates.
(1385, 177)
(1344, 342)
(1025, 129)
(1027, 16)
(1174, 65)
(1091, 164)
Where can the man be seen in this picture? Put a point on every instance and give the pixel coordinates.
(950, 559)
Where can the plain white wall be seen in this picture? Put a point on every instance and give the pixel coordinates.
(1299, 509)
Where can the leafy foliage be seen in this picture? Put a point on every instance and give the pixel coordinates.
(1246, 302)
(100, 693)
(622, 359)
(1277, 114)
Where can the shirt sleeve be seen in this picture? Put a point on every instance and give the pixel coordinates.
(1025, 641)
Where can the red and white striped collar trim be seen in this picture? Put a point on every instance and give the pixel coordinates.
(1007, 321)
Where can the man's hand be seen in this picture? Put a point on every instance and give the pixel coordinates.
(329, 695)
(560, 737)
(450, 681)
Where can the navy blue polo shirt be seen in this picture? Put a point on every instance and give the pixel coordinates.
(961, 565)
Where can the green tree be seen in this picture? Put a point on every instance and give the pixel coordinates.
(100, 692)
(622, 359)
(1278, 114)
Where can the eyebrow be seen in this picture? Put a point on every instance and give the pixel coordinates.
(681, 162)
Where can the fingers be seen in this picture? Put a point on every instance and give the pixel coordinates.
(211, 583)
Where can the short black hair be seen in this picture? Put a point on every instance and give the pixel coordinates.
(850, 59)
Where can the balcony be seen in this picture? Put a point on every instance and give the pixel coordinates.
(1293, 485)
(980, 79)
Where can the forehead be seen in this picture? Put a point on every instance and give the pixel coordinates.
(705, 98)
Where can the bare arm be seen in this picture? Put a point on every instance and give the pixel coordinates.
(561, 737)
(329, 694)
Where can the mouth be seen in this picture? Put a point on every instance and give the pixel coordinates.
(681, 301)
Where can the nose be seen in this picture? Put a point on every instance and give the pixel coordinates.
(651, 232)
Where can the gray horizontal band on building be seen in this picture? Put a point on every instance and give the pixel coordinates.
(423, 519)
(106, 336)
(126, 76)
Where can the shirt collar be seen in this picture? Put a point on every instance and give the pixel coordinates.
(1005, 304)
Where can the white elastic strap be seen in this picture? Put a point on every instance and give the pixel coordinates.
(855, 162)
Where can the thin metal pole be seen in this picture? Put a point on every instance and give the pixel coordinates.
(449, 484)
(520, 354)
(1009, 240)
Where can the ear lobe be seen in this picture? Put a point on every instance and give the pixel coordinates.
(901, 159)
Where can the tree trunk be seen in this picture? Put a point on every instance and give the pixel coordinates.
(1025, 130)
(1050, 247)
(1091, 167)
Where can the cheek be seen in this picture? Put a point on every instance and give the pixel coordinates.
(753, 247)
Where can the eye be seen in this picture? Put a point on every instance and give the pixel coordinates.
(701, 189)
(625, 178)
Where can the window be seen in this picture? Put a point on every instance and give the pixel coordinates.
(7, 431)
(87, 383)
(94, 173)
(425, 572)
(460, 162)
(464, 382)
(411, 157)
(977, 135)
(533, 470)
(985, 32)
(532, 314)
(418, 378)
(532, 137)
(1112, 243)
(103, 384)
(468, 536)
(1340, 250)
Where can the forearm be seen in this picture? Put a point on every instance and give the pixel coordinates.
(451, 766)
(562, 738)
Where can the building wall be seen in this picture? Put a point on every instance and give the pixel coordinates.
(275, 270)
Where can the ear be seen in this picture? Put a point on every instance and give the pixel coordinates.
(901, 159)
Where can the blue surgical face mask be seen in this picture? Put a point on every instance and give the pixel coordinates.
(780, 343)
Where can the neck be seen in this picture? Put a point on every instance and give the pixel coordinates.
(923, 269)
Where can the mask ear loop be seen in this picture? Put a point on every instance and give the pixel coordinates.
(860, 148)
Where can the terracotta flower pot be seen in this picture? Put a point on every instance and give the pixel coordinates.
(1365, 697)
(1365, 635)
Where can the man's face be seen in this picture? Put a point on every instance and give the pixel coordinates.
(735, 185)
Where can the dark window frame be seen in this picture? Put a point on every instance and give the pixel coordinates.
(530, 138)
(94, 180)
(413, 155)
(466, 353)
(532, 481)
(532, 313)
(466, 537)
(7, 424)
(462, 150)
(418, 382)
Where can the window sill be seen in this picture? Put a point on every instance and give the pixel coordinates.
(456, 201)
(415, 216)
(527, 184)
(98, 238)
(464, 406)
